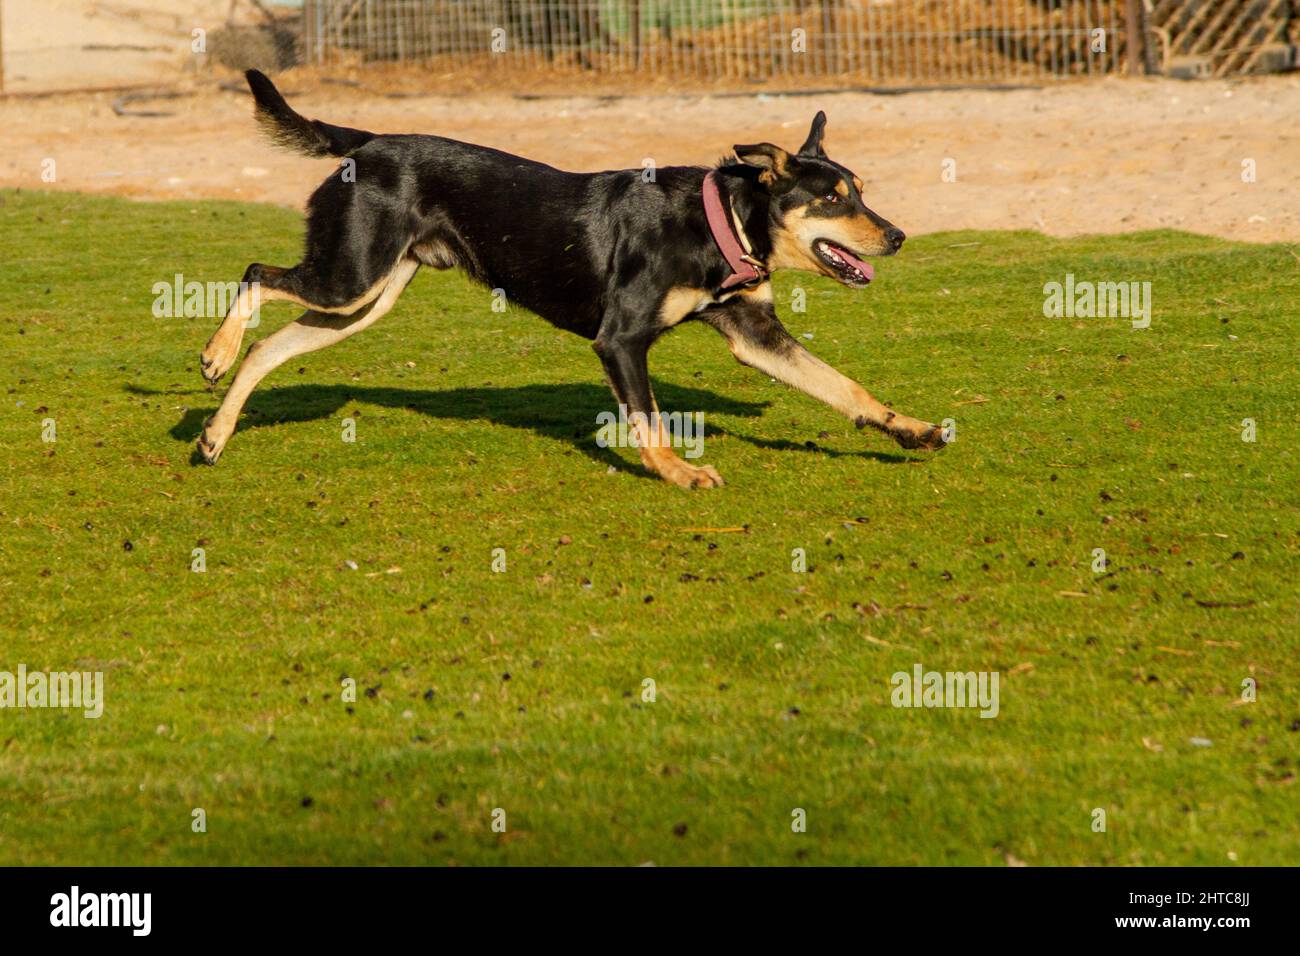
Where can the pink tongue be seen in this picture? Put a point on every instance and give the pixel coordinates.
(857, 263)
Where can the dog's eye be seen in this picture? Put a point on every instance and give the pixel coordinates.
(831, 197)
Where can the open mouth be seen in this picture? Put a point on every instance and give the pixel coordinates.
(845, 266)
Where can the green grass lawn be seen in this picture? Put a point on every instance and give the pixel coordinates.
(523, 690)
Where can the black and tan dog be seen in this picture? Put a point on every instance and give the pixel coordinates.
(616, 257)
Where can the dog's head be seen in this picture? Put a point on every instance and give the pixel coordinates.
(817, 219)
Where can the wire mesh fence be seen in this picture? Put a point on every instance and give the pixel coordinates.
(1223, 37)
(836, 42)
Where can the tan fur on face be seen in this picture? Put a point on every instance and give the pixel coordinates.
(792, 241)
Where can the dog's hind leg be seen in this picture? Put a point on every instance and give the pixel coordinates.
(758, 339)
(312, 331)
(301, 285)
(357, 235)
(222, 350)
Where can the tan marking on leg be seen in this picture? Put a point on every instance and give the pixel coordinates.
(757, 293)
(355, 305)
(754, 293)
(808, 373)
(681, 302)
(655, 445)
(311, 332)
(803, 370)
(222, 349)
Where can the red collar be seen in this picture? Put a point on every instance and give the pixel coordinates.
(744, 267)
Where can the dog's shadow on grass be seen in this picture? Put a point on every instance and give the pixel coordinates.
(565, 412)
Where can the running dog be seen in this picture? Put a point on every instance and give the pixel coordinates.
(619, 258)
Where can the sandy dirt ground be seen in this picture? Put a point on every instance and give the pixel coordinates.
(68, 44)
(1097, 157)
(1100, 156)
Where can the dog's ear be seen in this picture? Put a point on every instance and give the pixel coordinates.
(812, 146)
(772, 160)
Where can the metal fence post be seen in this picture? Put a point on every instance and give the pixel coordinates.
(1133, 25)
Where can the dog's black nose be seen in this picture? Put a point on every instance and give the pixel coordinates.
(894, 236)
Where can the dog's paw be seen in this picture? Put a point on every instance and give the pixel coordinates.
(218, 356)
(917, 435)
(689, 476)
(208, 445)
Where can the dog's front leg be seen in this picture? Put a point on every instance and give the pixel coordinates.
(623, 348)
(758, 339)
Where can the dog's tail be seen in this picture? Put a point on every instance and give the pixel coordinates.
(293, 131)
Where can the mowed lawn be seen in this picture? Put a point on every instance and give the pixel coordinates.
(524, 691)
